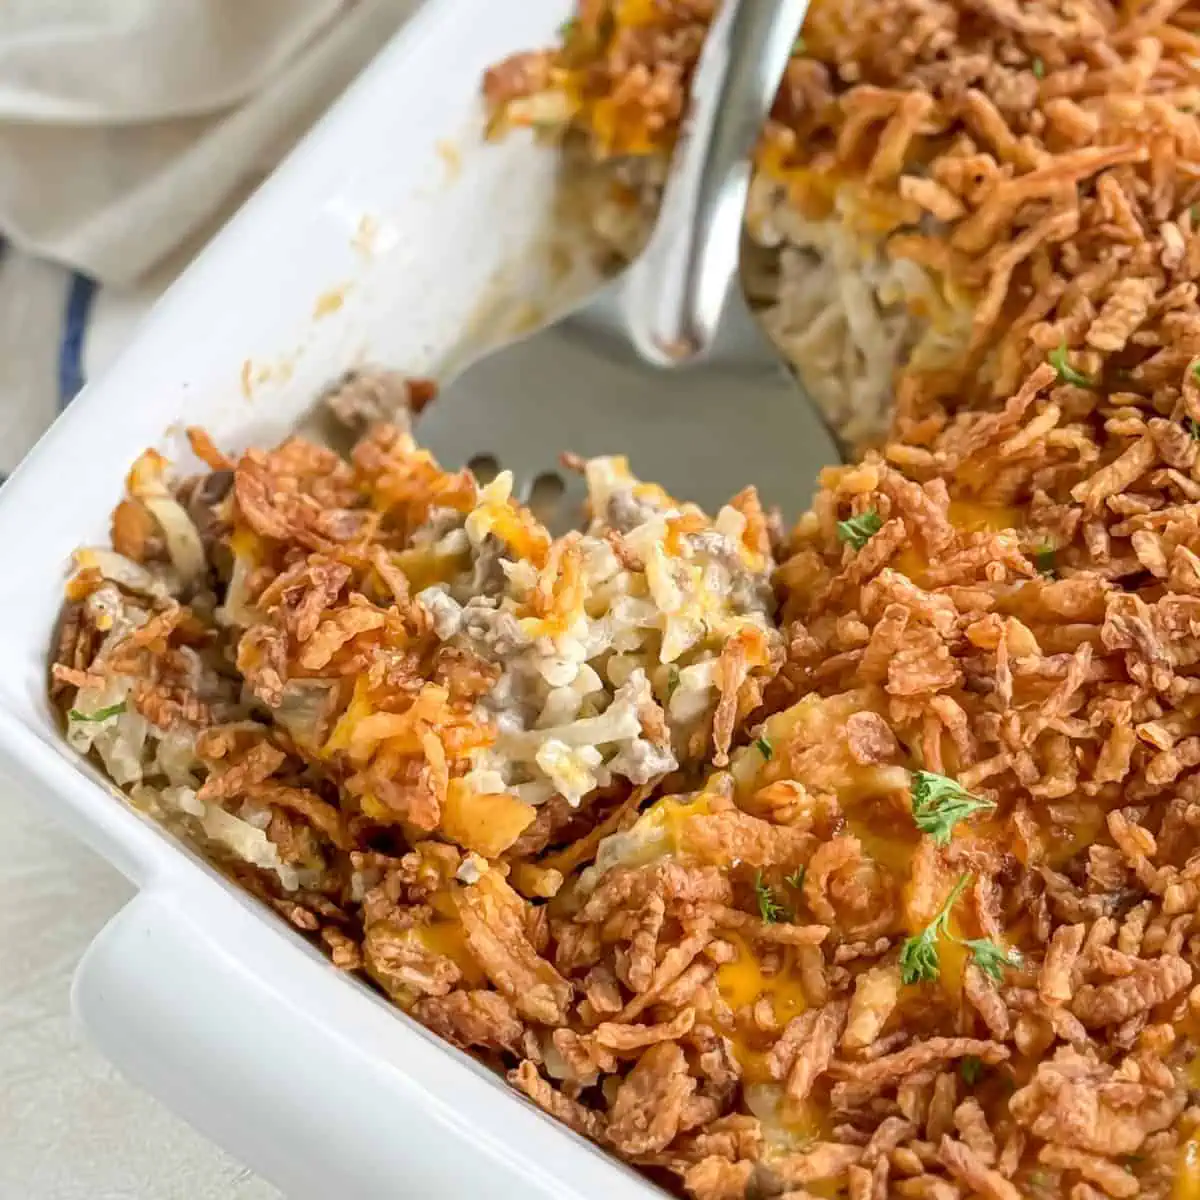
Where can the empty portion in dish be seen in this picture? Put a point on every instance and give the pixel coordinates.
(862, 861)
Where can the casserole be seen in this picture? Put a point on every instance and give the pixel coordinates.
(366, 244)
(926, 644)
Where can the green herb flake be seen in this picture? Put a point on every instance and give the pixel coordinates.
(858, 531)
(1043, 559)
(672, 681)
(769, 907)
(939, 803)
(919, 954)
(764, 747)
(1195, 369)
(919, 961)
(990, 958)
(101, 714)
(567, 29)
(800, 46)
(1039, 68)
(971, 1069)
(795, 879)
(1194, 212)
(1066, 372)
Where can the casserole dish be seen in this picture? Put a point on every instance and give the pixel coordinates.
(368, 244)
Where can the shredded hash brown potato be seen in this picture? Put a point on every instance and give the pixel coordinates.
(862, 861)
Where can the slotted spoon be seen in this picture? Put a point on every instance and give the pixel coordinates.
(666, 363)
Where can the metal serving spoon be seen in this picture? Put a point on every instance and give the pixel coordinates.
(666, 363)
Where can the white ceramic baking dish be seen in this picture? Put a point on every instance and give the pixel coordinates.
(375, 241)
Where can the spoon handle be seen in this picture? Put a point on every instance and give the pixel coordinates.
(676, 290)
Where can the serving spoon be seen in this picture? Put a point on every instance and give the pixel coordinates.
(666, 363)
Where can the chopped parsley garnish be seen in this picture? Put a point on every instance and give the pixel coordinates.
(1193, 428)
(1196, 371)
(858, 531)
(1039, 68)
(769, 907)
(1194, 212)
(1043, 559)
(672, 681)
(800, 46)
(567, 28)
(795, 879)
(971, 1069)
(919, 961)
(1066, 372)
(990, 958)
(939, 803)
(101, 714)
(919, 955)
(765, 748)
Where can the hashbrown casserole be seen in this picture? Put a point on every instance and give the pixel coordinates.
(860, 859)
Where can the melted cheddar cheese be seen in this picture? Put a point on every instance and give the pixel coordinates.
(1076, 837)
(982, 518)
(673, 814)
(246, 544)
(742, 983)
(425, 566)
(968, 516)
(636, 12)
(1187, 1177)
(446, 937)
(893, 850)
(516, 527)
(359, 708)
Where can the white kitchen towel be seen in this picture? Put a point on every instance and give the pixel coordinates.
(128, 130)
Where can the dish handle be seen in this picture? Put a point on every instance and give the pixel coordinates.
(324, 1090)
